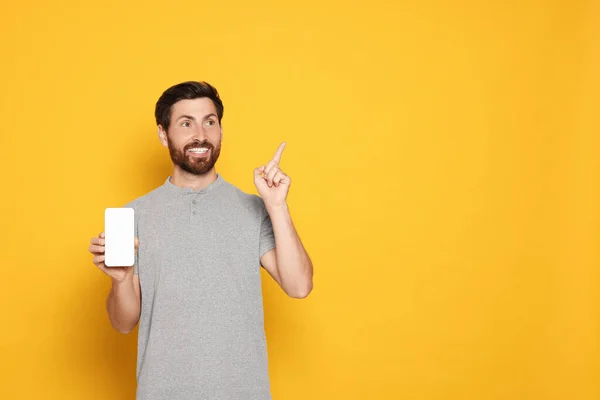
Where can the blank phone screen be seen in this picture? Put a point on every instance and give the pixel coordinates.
(119, 248)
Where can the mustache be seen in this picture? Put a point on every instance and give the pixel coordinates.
(197, 143)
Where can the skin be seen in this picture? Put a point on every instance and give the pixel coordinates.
(194, 123)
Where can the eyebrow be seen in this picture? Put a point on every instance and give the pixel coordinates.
(193, 119)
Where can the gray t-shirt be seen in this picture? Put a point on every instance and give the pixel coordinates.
(201, 330)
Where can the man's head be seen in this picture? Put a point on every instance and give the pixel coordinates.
(189, 117)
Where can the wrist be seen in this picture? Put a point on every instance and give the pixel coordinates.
(122, 282)
(276, 208)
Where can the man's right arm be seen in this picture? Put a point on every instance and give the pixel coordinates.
(124, 299)
(123, 304)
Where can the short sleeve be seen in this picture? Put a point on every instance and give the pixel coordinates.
(267, 236)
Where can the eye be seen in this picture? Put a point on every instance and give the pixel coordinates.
(186, 124)
(210, 122)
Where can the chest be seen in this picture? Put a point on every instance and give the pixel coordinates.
(199, 229)
(199, 258)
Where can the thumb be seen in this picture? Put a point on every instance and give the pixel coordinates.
(258, 171)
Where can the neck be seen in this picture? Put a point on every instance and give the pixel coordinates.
(185, 179)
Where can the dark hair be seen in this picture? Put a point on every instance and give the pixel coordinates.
(185, 91)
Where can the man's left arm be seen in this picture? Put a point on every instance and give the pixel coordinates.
(288, 263)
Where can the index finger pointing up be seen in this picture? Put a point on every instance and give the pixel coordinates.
(278, 153)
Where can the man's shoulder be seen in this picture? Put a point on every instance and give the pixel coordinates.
(145, 200)
(250, 200)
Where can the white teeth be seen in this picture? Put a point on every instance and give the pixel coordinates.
(198, 150)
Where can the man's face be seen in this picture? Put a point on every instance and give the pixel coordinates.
(194, 136)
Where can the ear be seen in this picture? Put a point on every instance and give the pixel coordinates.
(162, 136)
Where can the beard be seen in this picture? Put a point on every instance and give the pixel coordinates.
(196, 166)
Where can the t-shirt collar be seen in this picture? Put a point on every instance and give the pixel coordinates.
(171, 187)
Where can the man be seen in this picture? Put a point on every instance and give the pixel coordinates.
(195, 287)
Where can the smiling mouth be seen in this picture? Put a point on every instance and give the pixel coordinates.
(198, 152)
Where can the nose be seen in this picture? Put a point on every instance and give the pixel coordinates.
(200, 134)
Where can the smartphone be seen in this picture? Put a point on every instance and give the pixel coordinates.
(119, 237)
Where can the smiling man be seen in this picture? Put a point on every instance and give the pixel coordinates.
(196, 287)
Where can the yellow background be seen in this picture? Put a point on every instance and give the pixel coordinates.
(445, 182)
